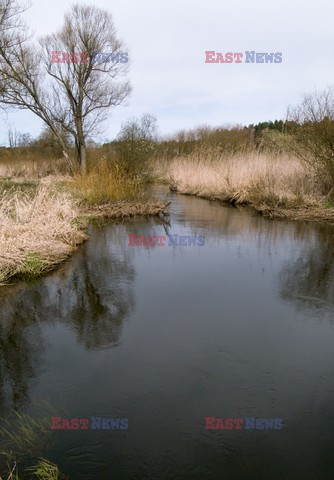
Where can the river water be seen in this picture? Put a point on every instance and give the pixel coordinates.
(165, 336)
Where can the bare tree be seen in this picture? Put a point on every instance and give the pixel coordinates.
(10, 24)
(313, 135)
(21, 77)
(72, 96)
(143, 128)
(84, 91)
(13, 138)
(18, 139)
(136, 142)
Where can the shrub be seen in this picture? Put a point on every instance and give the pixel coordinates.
(313, 139)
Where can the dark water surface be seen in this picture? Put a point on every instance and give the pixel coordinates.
(166, 336)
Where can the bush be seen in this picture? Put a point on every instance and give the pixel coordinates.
(107, 182)
(313, 139)
(136, 144)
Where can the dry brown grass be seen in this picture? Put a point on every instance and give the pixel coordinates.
(36, 232)
(104, 184)
(30, 166)
(253, 178)
(42, 222)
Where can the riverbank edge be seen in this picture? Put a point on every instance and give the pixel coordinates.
(310, 213)
(123, 210)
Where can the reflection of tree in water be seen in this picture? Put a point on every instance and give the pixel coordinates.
(309, 281)
(20, 348)
(104, 294)
(92, 295)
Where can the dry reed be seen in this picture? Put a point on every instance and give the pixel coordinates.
(36, 232)
(253, 178)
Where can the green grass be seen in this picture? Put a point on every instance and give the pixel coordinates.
(22, 439)
(104, 184)
(44, 470)
(33, 265)
(23, 434)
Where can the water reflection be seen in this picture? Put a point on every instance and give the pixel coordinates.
(308, 281)
(92, 295)
(20, 354)
(200, 331)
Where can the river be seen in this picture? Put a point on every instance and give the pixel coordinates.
(165, 336)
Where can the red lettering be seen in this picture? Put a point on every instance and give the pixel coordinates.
(55, 423)
(161, 239)
(220, 58)
(220, 423)
(229, 57)
(55, 58)
(238, 55)
(132, 242)
(66, 58)
(238, 422)
(208, 423)
(229, 423)
(208, 56)
(75, 423)
(75, 57)
(84, 57)
(152, 240)
(84, 422)
(66, 424)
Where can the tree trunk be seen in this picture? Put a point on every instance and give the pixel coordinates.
(68, 160)
(83, 159)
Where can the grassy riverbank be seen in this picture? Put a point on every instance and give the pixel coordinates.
(43, 217)
(43, 221)
(275, 185)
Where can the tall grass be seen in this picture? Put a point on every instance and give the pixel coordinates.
(245, 178)
(29, 166)
(37, 231)
(44, 470)
(22, 439)
(106, 183)
(23, 435)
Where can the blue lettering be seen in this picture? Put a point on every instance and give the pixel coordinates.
(278, 57)
(269, 424)
(250, 423)
(250, 56)
(172, 241)
(96, 423)
(278, 423)
(192, 241)
(269, 57)
(115, 423)
(183, 241)
(96, 57)
(124, 424)
(124, 58)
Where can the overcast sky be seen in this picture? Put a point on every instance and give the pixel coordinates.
(167, 40)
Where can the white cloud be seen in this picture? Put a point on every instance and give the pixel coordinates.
(167, 41)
